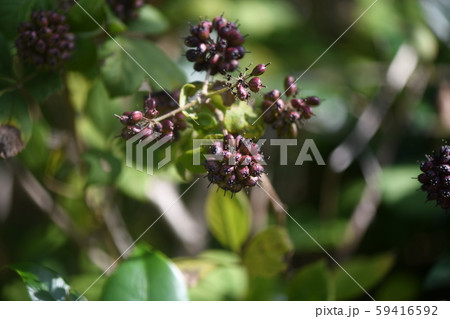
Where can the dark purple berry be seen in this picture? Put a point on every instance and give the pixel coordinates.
(241, 93)
(225, 32)
(293, 116)
(151, 113)
(219, 22)
(192, 55)
(203, 32)
(255, 84)
(272, 95)
(126, 10)
(236, 38)
(167, 126)
(235, 170)
(435, 178)
(243, 172)
(290, 86)
(444, 169)
(259, 70)
(423, 178)
(312, 100)
(45, 41)
(192, 41)
(298, 104)
(256, 169)
(212, 166)
(135, 117)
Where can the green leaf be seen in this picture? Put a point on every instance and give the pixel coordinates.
(207, 120)
(43, 284)
(103, 167)
(36, 154)
(310, 283)
(13, 12)
(100, 109)
(367, 271)
(235, 118)
(266, 288)
(146, 275)
(329, 233)
(80, 21)
(228, 218)
(224, 283)
(149, 21)
(189, 92)
(79, 87)
(239, 118)
(43, 84)
(214, 275)
(186, 160)
(14, 112)
(123, 76)
(84, 58)
(114, 24)
(267, 253)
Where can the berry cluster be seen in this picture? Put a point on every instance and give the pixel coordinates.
(142, 121)
(45, 41)
(285, 115)
(435, 178)
(221, 55)
(126, 10)
(245, 83)
(234, 163)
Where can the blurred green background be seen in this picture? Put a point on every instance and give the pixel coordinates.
(386, 91)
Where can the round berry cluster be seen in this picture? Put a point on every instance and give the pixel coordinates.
(142, 121)
(435, 178)
(234, 163)
(221, 55)
(285, 115)
(241, 87)
(126, 10)
(45, 41)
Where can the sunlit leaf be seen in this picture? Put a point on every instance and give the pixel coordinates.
(240, 118)
(146, 275)
(214, 275)
(228, 218)
(123, 75)
(188, 93)
(149, 21)
(268, 252)
(43, 284)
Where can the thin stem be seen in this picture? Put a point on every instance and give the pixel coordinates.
(190, 104)
(178, 110)
(221, 90)
(205, 84)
